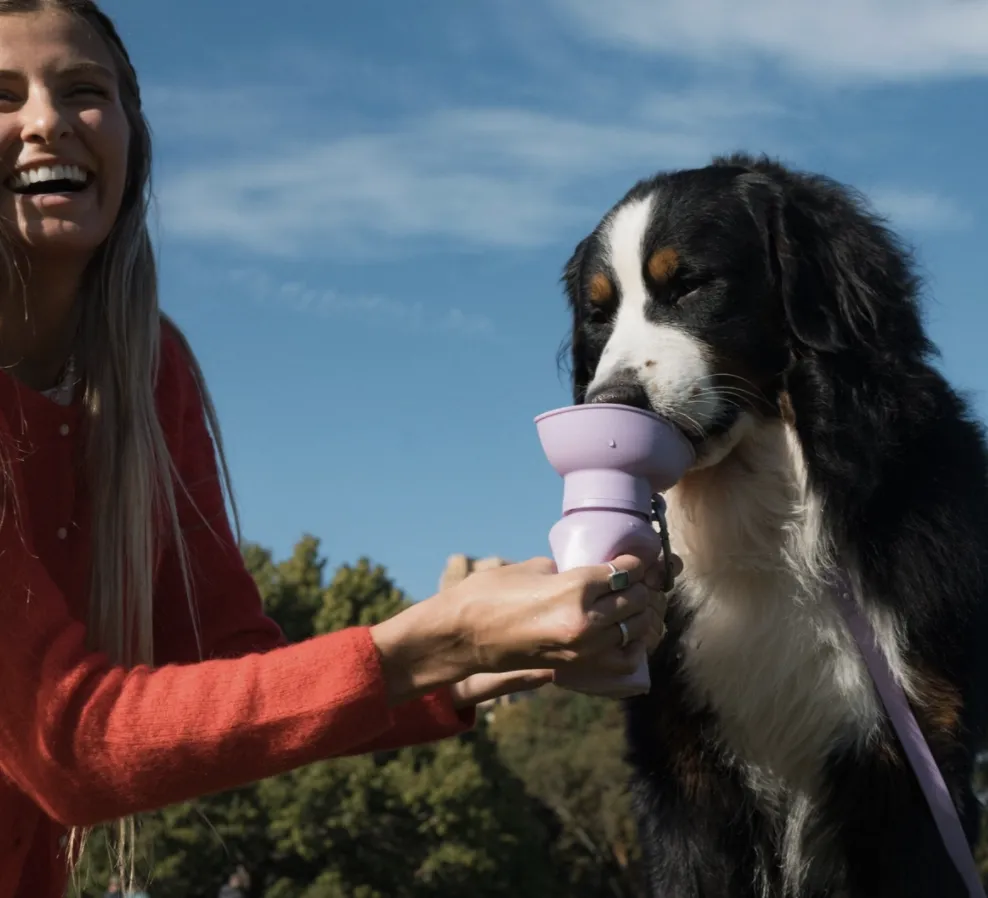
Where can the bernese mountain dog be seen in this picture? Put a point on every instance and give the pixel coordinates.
(776, 319)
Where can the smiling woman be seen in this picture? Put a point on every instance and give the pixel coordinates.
(138, 667)
(73, 196)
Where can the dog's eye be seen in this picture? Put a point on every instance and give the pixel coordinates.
(682, 287)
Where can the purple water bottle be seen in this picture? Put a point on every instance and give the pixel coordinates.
(613, 459)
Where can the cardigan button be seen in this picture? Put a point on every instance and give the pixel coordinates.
(64, 430)
(62, 533)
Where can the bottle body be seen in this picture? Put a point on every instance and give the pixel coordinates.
(596, 536)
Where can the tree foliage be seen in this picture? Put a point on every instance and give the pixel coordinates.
(532, 805)
(569, 750)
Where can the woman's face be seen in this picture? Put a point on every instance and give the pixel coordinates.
(63, 135)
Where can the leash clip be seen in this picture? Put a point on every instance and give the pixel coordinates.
(660, 526)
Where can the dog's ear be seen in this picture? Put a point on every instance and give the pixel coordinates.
(844, 279)
(572, 282)
(846, 300)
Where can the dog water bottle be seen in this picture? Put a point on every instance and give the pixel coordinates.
(613, 459)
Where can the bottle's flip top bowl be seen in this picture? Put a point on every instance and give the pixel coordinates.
(613, 456)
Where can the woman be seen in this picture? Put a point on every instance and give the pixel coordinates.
(137, 668)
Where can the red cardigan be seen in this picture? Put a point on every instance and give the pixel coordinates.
(81, 741)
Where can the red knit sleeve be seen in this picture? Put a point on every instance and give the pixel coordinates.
(89, 742)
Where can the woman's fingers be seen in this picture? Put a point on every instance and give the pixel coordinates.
(645, 633)
(655, 575)
(656, 631)
(598, 577)
(645, 626)
(613, 662)
(618, 606)
(605, 638)
(605, 653)
(598, 586)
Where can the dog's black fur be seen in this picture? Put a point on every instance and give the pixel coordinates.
(789, 278)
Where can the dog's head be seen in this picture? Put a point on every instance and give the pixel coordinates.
(712, 295)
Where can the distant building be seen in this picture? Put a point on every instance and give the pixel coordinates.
(459, 567)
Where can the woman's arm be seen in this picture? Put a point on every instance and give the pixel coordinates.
(90, 742)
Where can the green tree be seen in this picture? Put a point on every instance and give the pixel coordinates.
(292, 591)
(358, 596)
(568, 750)
(438, 820)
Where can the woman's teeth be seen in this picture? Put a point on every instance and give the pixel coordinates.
(71, 173)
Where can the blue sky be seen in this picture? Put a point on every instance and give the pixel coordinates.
(364, 209)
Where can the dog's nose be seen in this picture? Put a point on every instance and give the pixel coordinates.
(621, 394)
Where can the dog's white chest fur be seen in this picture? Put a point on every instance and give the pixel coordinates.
(781, 673)
(767, 649)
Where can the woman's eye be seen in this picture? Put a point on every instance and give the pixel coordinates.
(87, 90)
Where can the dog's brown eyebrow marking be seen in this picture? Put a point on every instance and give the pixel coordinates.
(601, 288)
(662, 264)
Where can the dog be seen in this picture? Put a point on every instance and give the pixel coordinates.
(776, 319)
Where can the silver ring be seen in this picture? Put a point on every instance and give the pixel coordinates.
(617, 580)
(625, 638)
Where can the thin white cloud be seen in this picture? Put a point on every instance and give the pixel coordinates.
(717, 104)
(919, 210)
(483, 177)
(209, 112)
(301, 298)
(300, 185)
(862, 40)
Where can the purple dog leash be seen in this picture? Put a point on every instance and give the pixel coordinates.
(917, 751)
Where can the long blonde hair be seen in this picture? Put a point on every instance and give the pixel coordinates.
(130, 470)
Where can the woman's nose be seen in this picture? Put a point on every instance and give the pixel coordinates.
(43, 119)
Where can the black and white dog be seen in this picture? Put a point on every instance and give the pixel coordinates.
(776, 320)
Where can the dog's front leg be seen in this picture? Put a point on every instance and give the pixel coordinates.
(699, 848)
(701, 833)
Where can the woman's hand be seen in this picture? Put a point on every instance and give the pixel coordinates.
(523, 618)
(527, 616)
